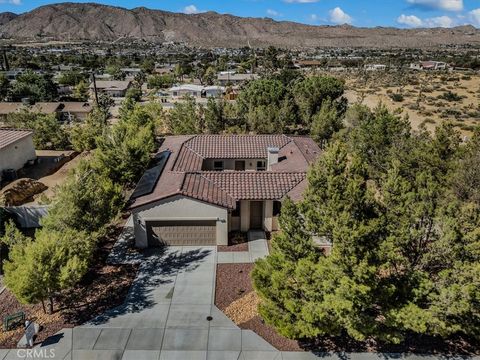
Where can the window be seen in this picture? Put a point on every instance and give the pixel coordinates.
(277, 207)
(236, 212)
(261, 165)
(240, 165)
(218, 165)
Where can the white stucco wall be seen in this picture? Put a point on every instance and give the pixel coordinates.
(16, 155)
(177, 208)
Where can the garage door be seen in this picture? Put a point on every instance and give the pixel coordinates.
(182, 233)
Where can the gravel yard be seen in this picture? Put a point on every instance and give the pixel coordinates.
(234, 295)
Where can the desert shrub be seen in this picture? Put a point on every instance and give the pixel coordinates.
(397, 97)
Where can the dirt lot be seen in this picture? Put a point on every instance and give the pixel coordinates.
(57, 178)
(103, 287)
(234, 295)
(424, 96)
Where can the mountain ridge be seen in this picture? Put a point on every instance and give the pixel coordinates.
(98, 22)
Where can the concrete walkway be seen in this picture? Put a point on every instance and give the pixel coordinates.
(257, 249)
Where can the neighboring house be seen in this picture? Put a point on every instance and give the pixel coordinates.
(205, 186)
(182, 90)
(429, 65)
(196, 91)
(114, 88)
(375, 67)
(229, 78)
(131, 72)
(75, 111)
(16, 149)
(64, 111)
(303, 64)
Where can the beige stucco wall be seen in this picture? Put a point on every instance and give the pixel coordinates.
(16, 155)
(268, 215)
(175, 208)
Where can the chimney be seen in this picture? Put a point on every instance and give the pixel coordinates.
(272, 157)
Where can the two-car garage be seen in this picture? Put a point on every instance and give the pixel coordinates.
(180, 221)
(181, 233)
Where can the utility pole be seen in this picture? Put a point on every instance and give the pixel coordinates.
(95, 88)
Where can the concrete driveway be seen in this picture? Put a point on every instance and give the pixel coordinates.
(169, 314)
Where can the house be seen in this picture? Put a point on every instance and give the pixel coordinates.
(183, 90)
(75, 111)
(375, 67)
(16, 149)
(196, 91)
(64, 111)
(231, 78)
(205, 186)
(429, 65)
(114, 88)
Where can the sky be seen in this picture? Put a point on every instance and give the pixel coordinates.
(364, 13)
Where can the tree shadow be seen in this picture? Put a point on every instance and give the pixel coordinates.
(159, 267)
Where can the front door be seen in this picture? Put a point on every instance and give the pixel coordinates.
(256, 215)
(240, 165)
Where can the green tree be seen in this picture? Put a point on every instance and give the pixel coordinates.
(185, 118)
(210, 76)
(105, 103)
(325, 123)
(48, 133)
(4, 86)
(71, 78)
(123, 152)
(275, 278)
(115, 71)
(84, 136)
(148, 65)
(311, 92)
(262, 103)
(81, 91)
(160, 81)
(87, 201)
(405, 241)
(214, 116)
(34, 86)
(38, 270)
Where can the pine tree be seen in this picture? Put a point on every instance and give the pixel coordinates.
(38, 270)
(274, 278)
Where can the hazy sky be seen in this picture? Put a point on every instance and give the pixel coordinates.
(400, 13)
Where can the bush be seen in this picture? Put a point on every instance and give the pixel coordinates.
(397, 97)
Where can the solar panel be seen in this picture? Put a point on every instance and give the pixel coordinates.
(148, 181)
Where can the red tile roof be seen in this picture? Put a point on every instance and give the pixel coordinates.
(255, 185)
(10, 136)
(235, 146)
(183, 173)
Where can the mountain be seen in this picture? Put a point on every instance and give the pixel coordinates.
(89, 21)
(6, 17)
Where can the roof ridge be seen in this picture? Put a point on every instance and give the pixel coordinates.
(185, 193)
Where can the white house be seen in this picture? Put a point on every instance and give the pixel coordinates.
(375, 67)
(16, 149)
(196, 91)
